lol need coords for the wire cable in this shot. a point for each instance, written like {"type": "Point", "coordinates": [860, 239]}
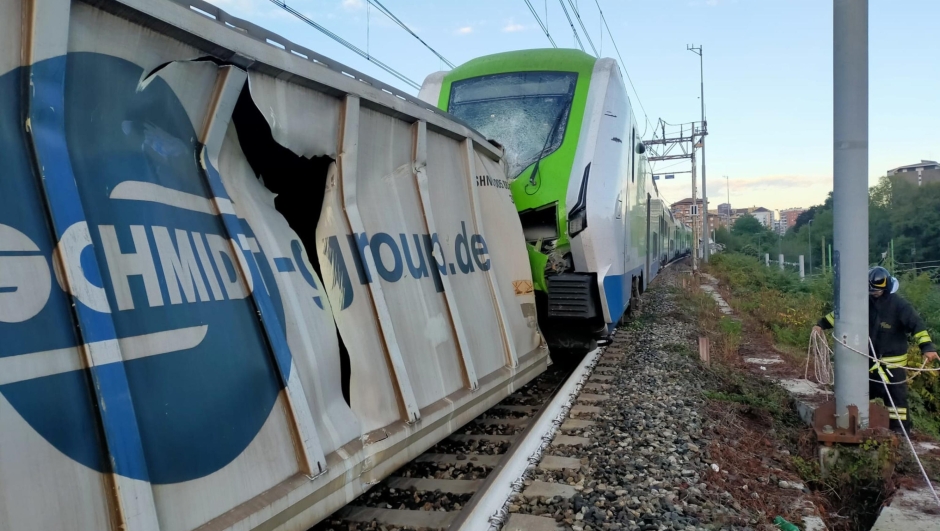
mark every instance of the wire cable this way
{"type": "Point", "coordinates": [906, 436]}
{"type": "Point", "coordinates": [571, 23]}
{"type": "Point", "coordinates": [581, 22]}
{"type": "Point", "coordinates": [623, 65]}
{"type": "Point", "coordinates": [283, 5]}
{"type": "Point", "coordinates": [385, 11]}
{"type": "Point", "coordinates": [537, 19]}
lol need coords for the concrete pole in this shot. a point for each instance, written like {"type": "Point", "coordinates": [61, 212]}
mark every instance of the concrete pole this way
{"type": "Point", "coordinates": [705, 126]}
{"type": "Point", "coordinates": [850, 205]}
{"type": "Point", "coordinates": [767, 259]}
{"type": "Point", "coordinates": [802, 272]}
{"type": "Point", "coordinates": [781, 262]}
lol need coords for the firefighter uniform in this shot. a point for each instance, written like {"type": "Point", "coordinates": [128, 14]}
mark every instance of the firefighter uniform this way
{"type": "Point", "coordinates": [891, 321]}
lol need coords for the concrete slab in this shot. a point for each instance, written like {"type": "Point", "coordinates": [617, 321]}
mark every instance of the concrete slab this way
{"type": "Point", "coordinates": [802, 387]}
{"type": "Point", "coordinates": [415, 519]}
{"type": "Point", "coordinates": [492, 438]}
{"type": "Point", "coordinates": [554, 462]}
{"type": "Point", "coordinates": [521, 409]}
{"type": "Point", "coordinates": [528, 522]}
{"type": "Point", "coordinates": [578, 409]}
{"type": "Point", "coordinates": [569, 440]}
{"type": "Point", "coordinates": [763, 361]}
{"type": "Point", "coordinates": [451, 486]}
{"type": "Point", "coordinates": [544, 489]}
{"type": "Point", "coordinates": [907, 512]}
{"type": "Point", "coordinates": [451, 459]}
{"type": "Point", "coordinates": [576, 424]}
{"type": "Point", "coordinates": [590, 397]}
{"type": "Point", "coordinates": [504, 422]}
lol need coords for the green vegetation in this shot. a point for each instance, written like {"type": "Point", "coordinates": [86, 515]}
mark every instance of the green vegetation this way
{"type": "Point", "coordinates": [898, 211]}
{"type": "Point", "coordinates": [788, 309]}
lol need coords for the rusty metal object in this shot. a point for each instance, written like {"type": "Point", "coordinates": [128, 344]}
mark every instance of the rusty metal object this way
{"type": "Point", "coordinates": [824, 423]}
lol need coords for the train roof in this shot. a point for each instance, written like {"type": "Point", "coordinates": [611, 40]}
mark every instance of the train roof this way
{"type": "Point", "coordinates": [549, 59]}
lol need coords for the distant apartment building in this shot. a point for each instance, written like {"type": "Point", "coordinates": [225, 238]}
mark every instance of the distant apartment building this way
{"type": "Point", "coordinates": [928, 171]}
{"type": "Point", "coordinates": [780, 227]}
{"type": "Point", "coordinates": [788, 217]}
{"type": "Point", "coordinates": [682, 210]}
{"type": "Point", "coordinates": [765, 216]}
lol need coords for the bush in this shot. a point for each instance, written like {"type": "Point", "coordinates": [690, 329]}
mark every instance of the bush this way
{"type": "Point", "coordinates": [788, 309]}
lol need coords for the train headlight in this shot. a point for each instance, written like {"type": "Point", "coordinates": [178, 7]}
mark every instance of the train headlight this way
{"type": "Point", "coordinates": [577, 222]}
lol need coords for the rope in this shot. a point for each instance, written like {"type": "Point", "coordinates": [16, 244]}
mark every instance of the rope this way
{"type": "Point", "coordinates": [821, 354]}
{"type": "Point", "coordinates": [907, 437]}
{"type": "Point", "coordinates": [872, 358]}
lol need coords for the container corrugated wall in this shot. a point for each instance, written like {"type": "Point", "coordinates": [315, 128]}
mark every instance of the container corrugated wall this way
{"type": "Point", "coordinates": [233, 292]}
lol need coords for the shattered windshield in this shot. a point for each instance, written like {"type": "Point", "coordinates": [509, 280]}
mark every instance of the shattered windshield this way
{"type": "Point", "coordinates": [518, 110]}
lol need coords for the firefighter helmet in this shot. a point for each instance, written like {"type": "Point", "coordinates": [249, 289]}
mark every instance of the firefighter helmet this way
{"type": "Point", "coordinates": [878, 279]}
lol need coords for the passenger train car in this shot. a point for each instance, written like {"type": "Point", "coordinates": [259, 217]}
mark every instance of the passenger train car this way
{"type": "Point", "coordinates": [596, 228]}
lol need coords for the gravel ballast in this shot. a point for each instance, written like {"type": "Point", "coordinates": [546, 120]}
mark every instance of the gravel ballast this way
{"type": "Point", "coordinates": [645, 465]}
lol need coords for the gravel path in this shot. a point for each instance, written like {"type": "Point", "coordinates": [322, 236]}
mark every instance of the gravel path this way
{"type": "Point", "coordinates": [644, 466]}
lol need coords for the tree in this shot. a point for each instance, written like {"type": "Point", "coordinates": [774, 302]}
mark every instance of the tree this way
{"type": "Point", "coordinates": [747, 225]}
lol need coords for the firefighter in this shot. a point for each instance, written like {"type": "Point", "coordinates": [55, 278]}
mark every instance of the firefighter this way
{"type": "Point", "coordinates": [891, 320]}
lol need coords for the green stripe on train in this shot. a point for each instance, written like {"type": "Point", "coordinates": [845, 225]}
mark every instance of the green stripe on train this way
{"type": "Point", "coordinates": [557, 165]}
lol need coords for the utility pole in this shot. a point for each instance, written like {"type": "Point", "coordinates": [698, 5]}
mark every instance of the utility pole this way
{"type": "Point", "coordinates": [850, 207]}
{"type": "Point", "coordinates": [697, 50]}
{"type": "Point", "coordinates": [695, 237]}
{"type": "Point", "coordinates": [728, 189]}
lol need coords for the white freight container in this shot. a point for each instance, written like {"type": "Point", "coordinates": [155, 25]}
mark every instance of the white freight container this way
{"type": "Point", "coordinates": [239, 282]}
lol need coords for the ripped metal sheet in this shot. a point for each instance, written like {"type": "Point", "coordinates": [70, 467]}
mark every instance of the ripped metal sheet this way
{"type": "Point", "coordinates": [172, 358]}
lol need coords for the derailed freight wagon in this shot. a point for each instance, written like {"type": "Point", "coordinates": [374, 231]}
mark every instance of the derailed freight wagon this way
{"type": "Point", "coordinates": [239, 282]}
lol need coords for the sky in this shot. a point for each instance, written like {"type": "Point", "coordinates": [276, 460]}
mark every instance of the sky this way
{"type": "Point", "coordinates": [767, 71]}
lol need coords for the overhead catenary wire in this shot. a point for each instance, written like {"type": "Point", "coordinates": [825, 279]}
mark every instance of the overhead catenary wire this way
{"type": "Point", "coordinates": [571, 23]}
{"type": "Point", "coordinates": [283, 5]}
{"type": "Point", "coordinates": [539, 20]}
{"type": "Point", "coordinates": [385, 11]}
{"type": "Point", "coordinates": [587, 36]}
{"type": "Point", "coordinates": [623, 66]}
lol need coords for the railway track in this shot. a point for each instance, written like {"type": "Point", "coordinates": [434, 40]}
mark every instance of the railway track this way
{"type": "Point", "coordinates": [466, 478]}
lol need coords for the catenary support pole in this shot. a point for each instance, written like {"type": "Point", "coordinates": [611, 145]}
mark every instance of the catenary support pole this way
{"type": "Point", "coordinates": [850, 205]}
{"type": "Point", "coordinates": [781, 262]}
{"type": "Point", "coordinates": [705, 126]}
{"type": "Point", "coordinates": [767, 259]}
{"type": "Point", "coordinates": [802, 272]}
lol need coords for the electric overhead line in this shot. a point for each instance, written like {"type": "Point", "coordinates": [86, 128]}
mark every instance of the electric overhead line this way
{"type": "Point", "coordinates": [283, 5]}
{"type": "Point", "coordinates": [623, 66]}
{"type": "Point", "coordinates": [537, 19]}
{"type": "Point", "coordinates": [385, 11]}
{"type": "Point", "coordinates": [584, 29]}
{"type": "Point", "coordinates": [571, 23]}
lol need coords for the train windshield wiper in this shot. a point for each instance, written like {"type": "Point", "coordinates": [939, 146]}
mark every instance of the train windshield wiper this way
{"type": "Point", "coordinates": [548, 141]}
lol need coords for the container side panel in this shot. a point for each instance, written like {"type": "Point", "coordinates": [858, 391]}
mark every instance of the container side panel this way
{"type": "Point", "coordinates": [506, 248]}
{"type": "Point", "coordinates": [372, 393]}
{"type": "Point", "coordinates": [449, 184]}
{"type": "Point", "coordinates": [391, 211]}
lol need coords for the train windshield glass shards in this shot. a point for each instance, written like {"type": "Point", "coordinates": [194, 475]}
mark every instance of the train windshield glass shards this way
{"type": "Point", "coordinates": [520, 110]}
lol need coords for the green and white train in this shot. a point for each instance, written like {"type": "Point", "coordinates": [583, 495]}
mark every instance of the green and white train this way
{"type": "Point", "coordinates": [596, 228]}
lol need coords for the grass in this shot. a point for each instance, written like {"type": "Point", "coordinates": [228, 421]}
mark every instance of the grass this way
{"type": "Point", "coordinates": [787, 309]}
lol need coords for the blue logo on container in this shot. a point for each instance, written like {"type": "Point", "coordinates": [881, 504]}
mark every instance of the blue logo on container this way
{"type": "Point", "coordinates": [176, 284]}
